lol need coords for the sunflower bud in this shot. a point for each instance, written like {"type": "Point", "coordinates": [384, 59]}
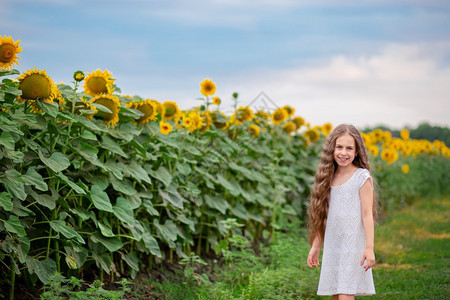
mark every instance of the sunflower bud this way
{"type": "Point", "coordinates": [78, 76]}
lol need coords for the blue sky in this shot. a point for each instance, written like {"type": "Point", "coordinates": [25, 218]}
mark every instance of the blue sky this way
{"type": "Point", "coordinates": [363, 62]}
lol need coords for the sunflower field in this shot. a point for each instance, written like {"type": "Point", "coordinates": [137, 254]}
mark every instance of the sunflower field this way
{"type": "Point", "coordinates": [96, 182]}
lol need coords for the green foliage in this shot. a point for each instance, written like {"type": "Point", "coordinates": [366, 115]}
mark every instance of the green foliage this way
{"type": "Point", "coordinates": [77, 195]}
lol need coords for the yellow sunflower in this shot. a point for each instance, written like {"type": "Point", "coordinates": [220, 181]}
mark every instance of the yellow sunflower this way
{"type": "Point", "coordinates": [216, 100]}
{"type": "Point", "coordinates": [389, 155]}
{"type": "Point", "coordinates": [170, 111]}
{"type": "Point", "coordinates": [207, 87]}
{"type": "Point", "coordinates": [36, 86]}
{"type": "Point", "coordinates": [289, 127]}
{"type": "Point", "coordinates": [98, 82]}
{"type": "Point", "coordinates": [326, 128]}
{"type": "Point", "coordinates": [165, 128]}
{"type": "Point", "coordinates": [289, 109]}
{"type": "Point", "coordinates": [254, 130]}
{"type": "Point", "coordinates": [405, 168]}
{"type": "Point", "coordinates": [147, 107]}
{"type": "Point", "coordinates": [220, 120]}
{"type": "Point", "coordinates": [8, 52]}
{"type": "Point", "coordinates": [262, 115]}
{"type": "Point", "coordinates": [279, 115]}
{"type": "Point", "coordinates": [242, 114]}
{"type": "Point", "coordinates": [78, 76]}
{"type": "Point", "coordinates": [299, 122]}
{"type": "Point", "coordinates": [312, 134]}
{"type": "Point", "coordinates": [206, 121]}
{"type": "Point", "coordinates": [373, 150]}
{"type": "Point", "coordinates": [113, 104]}
{"type": "Point", "coordinates": [404, 134]}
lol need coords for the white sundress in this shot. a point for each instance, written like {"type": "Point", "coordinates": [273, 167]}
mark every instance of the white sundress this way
{"type": "Point", "coordinates": [345, 242]}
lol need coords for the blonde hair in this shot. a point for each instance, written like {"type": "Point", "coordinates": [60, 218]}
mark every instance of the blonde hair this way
{"type": "Point", "coordinates": [320, 192]}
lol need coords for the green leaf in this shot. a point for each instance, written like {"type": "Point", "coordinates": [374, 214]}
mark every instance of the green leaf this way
{"type": "Point", "coordinates": [88, 152]}
{"type": "Point", "coordinates": [15, 188]}
{"type": "Point", "coordinates": [6, 201]}
{"type": "Point", "coordinates": [113, 167]}
{"type": "Point", "coordinates": [122, 210]}
{"type": "Point", "coordinates": [44, 269]}
{"type": "Point", "coordinates": [61, 227]}
{"type": "Point", "coordinates": [172, 196]}
{"type": "Point", "coordinates": [103, 261]}
{"type": "Point", "coordinates": [137, 172]}
{"type": "Point", "coordinates": [105, 230]}
{"type": "Point", "coordinates": [34, 178]}
{"type": "Point", "coordinates": [194, 151]}
{"type": "Point", "coordinates": [168, 231]}
{"type": "Point", "coordinates": [51, 109]}
{"type": "Point", "coordinates": [131, 260]}
{"type": "Point", "coordinates": [83, 213]}
{"type": "Point", "coordinates": [125, 131]}
{"type": "Point", "coordinates": [100, 199]}
{"type": "Point", "coordinates": [151, 244]}
{"type": "Point", "coordinates": [77, 253]}
{"type": "Point", "coordinates": [71, 184]}
{"type": "Point", "coordinates": [184, 169]}
{"type": "Point", "coordinates": [123, 186]}
{"type": "Point", "coordinates": [46, 200]}
{"type": "Point", "coordinates": [13, 225]}
{"type": "Point", "coordinates": [111, 243]}
{"type": "Point", "coordinates": [14, 176]}
{"type": "Point", "coordinates": [7, 141]}
{"type": "Point", "coordinates": [102, 108]}
{"type": "Point", "coordinates": [217, 202]}
{"type": "Point", "coordinates": [5, 72]}
{"type": "Point", "coordinates": [150, 209]}
{"type": "Point", "coordinates": [162, 174]}
{"type": "Point", "coordinates": [89, 124]}
{"type": "Point", "coordinates": [231, 187]}
{"type": "Point", "coordinates": [239, 211]}
{"type": "Point", "coordinates": [87, 135]}
{"type": "Point", "coordinates": [109, 144]}
{"type": "Point", "coordinates": [57, 161]}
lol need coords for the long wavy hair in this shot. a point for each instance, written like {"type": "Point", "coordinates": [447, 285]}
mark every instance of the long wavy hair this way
{"type": "Point", "coordinates": [320, 192]}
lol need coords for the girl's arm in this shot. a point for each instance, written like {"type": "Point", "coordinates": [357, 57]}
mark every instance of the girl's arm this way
{"type": "Point", "coordinates": [366, 195]}
{"type": "Point", "coordinates": [313, 256]}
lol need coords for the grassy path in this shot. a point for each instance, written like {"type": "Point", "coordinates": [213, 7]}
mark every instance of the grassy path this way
{"type": "Point", "coordinates": [413, 253]}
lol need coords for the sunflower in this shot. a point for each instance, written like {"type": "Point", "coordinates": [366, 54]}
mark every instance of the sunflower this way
{"type": "Point", "coordinates": [389, 155]}
{"type": "Point", "coordinates": [216, 100]}
{"type": "Point", "coordinates": [170, 111]}
{"type": "Point", "coordinates": [242, 114]}
{"type": "Point", "coordinates": [279, 115]}
{"type": "Point", "coordinates": [78, 76]}
{"type": "Point", "coordinates": [8, 52]}
{"type": "Point", "coordinates": [192, 121]}
{"type": "Point", "coordinates": [404, 134]}
{"type": "Point", "coordinates": [220, 120]}
{"type": "Point", "coordinates": [299, 122]}
{"type": "Point", "coordinates": [206, 121]}
{"type": "Point", "coordinates": [373, 150]}
{"type": "Point", "coordinates": [59, 98]}
{"type": "Point", "coordinates": [405, 168]}
{"type": "Point", "coordinates": [147, 107]}
{"type": "Point", "coordinates": [165, 128]}
{"type": "Point", "coordinates": [254, 130]}
{"type": "Point", "coordinates": [98, 82]}
{"type": "Point", "coordinates": [262, 115]}
{"type": "Point", "coordinates": [289, 127]}
{"type": "Point", "coordinates": [36, 86]}
{"type": "Point", "coordinates": [326, 128]}
{"type": "Point", "coordinates": [289, 109]}
{"type": "Point", "coordinates": [312, 134]}
{"type": "Point", "coordinates": [113, 104]}
{"type": "Point", "coordinates": [207, 87]}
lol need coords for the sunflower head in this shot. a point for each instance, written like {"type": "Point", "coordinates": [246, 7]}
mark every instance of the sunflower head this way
{"type": "Point", "coordinates": [170, 111]}
{"type": "Point", "coordinates": [98, 82]}
{"type": "Point", "coordinates": [389, 155]}
{"type": "Point", "coordinates": [36, 86]}
{"type": "Point", "coordinates": [289, 109]}
{"type": "Point", "coordinates": [254, 130]}
{"type": "Point", "coordinates": [219, 120]}
{"type": "Point", "coordinates": [206, 120]}
{"type": "Point", "coordinates": [8, 52]}
{"type": "Point", "coordinates": [216, 100]}
{"type": "Point", "coordinates": [326, 128]}
{"type": "Point", "coordinates": [147, 107]}
{"type": "Point", "coordinates": [404, 133]}
{"type": "Point", "coordinates": [165, 128]}
{"type": "Point", "coordinates": [207, 87]}
{"type": "Point", "coordinates": [262, 115]}
{"type": "Point", "coordinates": [299, 122]}
{"type": "Point", "coordinates": [242, 114]}
{"type": "Point", "coordinates": [113, 104]}
{"type": "Point", "coordinates": [405, 168]}
{"type": "Point", "coordinates": [312, 134]}
{"type": "Point", "coordinates": [289, 127]}
{"type": "Point", "coordinates": [279, 115]}
{"type": "Point", "coordinates": [373, 150]}
{"type": "Point", "coordinates": [78, 76]}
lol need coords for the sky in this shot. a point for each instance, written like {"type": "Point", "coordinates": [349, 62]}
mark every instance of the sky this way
{"type": "Point", "coordinates": [363, 62]}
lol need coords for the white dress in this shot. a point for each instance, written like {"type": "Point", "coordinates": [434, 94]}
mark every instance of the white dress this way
{"type": "Point", "coordinates": [345, 242]}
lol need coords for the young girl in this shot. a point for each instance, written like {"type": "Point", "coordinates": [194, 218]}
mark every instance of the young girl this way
{"type": "Point", "coordinates": [341, 217]}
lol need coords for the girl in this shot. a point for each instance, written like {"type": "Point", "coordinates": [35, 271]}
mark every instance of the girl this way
{"type": "Point", "coordinates": [341, 216]}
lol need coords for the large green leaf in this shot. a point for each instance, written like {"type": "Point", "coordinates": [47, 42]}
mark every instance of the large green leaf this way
{"type": "Point", "coordinates": [6, 201]}
{"type": "Point", "coordinates": [100, 199]}
{"type": "Point", "coordinates": [123, 186]}
{"type": "Point", "coordinates": [137, 172]}
{"type": "Point", "coordinates": [123, 211]}
{"type": "Point", "coordinates": [114, 168]}
{"type": "Point", "coordinates": [88, 152]}
{"type": "Point", "coordinates": [19, 245]}
{"type": "Point", "coordinates": [105, 229]}
{"type": "Point", "coordinates": [162, 174]}
{"type": "Point", "coordinates": [151, 244]}
{"type": "Point", "coordinates": [7, 141]}
{"type": "Point", "coordinates": [109, 144]}
{"type": "Point", "coordinates": [14, 176]}
{"type": "Point", "coordinates": [44, 269]}
{"type": "Point", "coordinates": [168, 231]}
{"type": "Point", "coordinates": [111, 243]}
{"type": "Point", "coordinates": [34, 178]}
{"type": "Point", "coordinates": [172, 196]}
{"type": "Point", "coordinates": [13, 225]}
{"type": "Point", "coordinates": [46, 200]}
{"type": "Point", "coordinates": [230, 186]}
{"type": "Point", "coordinates": [131, 260]}
{"type": "Point", "coordinates": [61, 227]}
{"type": "Point", "coordinates": [217, 202]}
{"type": "Point", "coordinates": [78, 253]}
{"type": "Point", "coordinates": [57, 161]}
{"type": "Point", "coordinates": [71, 184]}
{"type": "Point", "coordinates": [103, 261]}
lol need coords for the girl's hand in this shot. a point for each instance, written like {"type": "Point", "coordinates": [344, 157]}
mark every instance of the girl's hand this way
{"type": "Point", "coordinates": [369, 257]}
{"type": "Point", "coordinates": [313, 257]}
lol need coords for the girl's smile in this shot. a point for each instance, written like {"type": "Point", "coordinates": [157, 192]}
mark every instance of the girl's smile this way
{"type": "Point", "coordinates": [345, 150]}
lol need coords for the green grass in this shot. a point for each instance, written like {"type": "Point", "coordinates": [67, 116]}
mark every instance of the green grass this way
{"type": "Point", "coordinates": [413, 262]}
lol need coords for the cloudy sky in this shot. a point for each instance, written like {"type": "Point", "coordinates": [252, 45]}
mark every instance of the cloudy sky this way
{"type": "Point", "coordinates": [365, 62]}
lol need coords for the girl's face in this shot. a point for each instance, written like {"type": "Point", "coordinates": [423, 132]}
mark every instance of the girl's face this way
{"type": "Point", "coordinates": [345, 150]}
